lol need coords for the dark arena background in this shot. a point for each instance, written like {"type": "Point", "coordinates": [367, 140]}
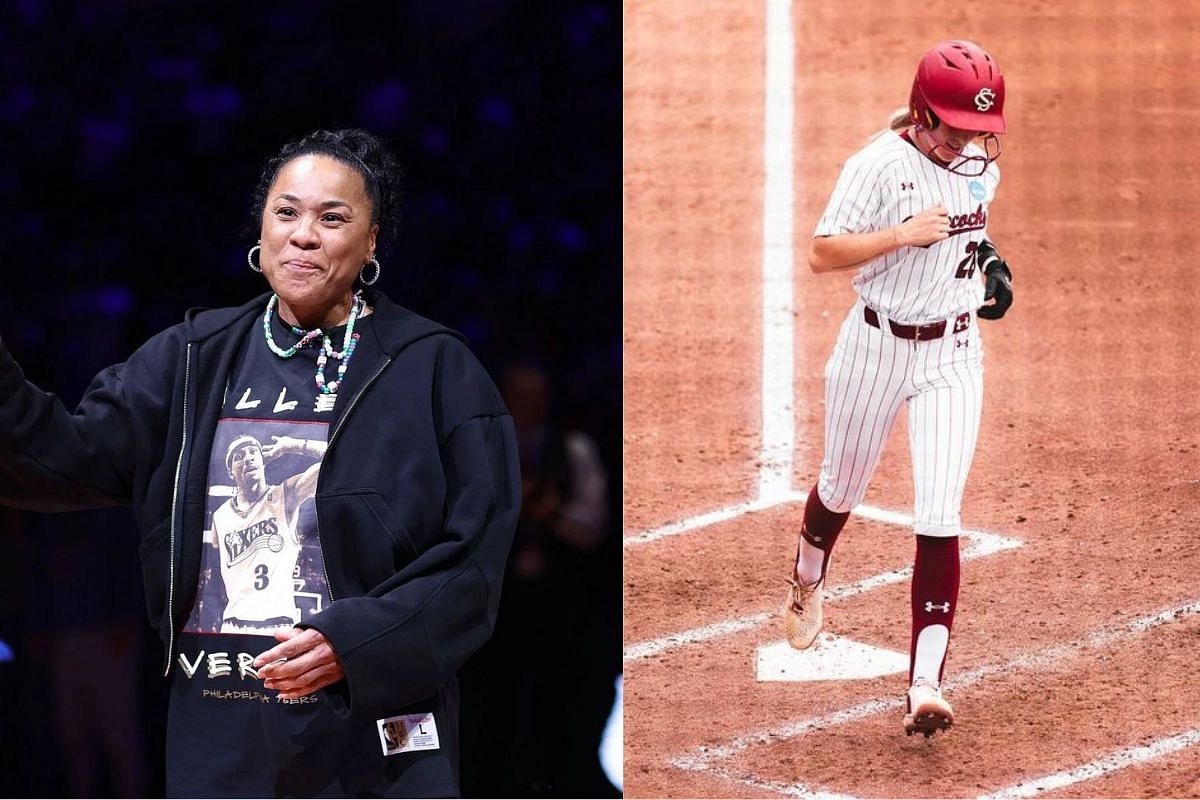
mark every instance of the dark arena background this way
{"type": "Point", "coordinates": [133, 133]}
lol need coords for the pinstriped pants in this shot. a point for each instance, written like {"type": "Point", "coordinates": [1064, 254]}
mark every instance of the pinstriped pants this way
{"type": "Point", "coordinates": [870, 373]}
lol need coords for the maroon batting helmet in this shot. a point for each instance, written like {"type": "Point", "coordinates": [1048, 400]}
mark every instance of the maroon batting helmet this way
{"type": "Point", "coordinates": [961, 84]}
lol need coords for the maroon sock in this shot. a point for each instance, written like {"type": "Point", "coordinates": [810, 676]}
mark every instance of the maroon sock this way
{"type": "Point", "coordinates": [934, 589]}
{"type": "Point", "coordinates": [822, 526]}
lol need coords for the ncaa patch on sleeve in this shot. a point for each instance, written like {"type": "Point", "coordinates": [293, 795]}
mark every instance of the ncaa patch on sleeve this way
{"type": "Point", "coordinates": [407, 733]}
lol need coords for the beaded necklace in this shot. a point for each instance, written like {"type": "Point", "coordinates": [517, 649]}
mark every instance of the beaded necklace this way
{"type": "Point", "coordinates": [305, 340]}
{"type": "Point", "coordinates": [349, 343]}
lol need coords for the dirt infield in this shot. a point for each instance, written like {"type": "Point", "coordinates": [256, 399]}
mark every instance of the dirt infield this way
{"type": "Point", "coordinates": [1074, 651]}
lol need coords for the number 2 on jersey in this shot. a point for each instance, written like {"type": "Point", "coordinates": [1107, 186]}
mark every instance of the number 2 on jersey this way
{"type": "Point", "coordinates": [966, 267]}
{"type": "Point", "coordinates": [260, 577]}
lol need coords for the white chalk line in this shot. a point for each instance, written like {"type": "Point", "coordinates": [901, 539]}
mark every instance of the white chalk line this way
{"type": "Point", "coordinates": [781, 787]}
{"type": "Point", "coordinates": [778, 326]}
{"type": "Point", "coordinates": [1113, 762]}
{"type": "Point", "coordinates": [883, 515]}
{"type": "Point", "coordinates": [714, 517]}
{"type": "Point", "coordinates": [980, 544]}
{"type": "Point", "coordinates": [761, 503]}
{"type": "Point", "coordinates": [702, 759]}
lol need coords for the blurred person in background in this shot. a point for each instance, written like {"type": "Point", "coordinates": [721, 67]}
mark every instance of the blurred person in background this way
{"type": "Point", "coordinates": [564, 489]}
{"type": "Point", "coordinates": [539, 691]}
{"type": "Point", "coordinates": [90, 637]}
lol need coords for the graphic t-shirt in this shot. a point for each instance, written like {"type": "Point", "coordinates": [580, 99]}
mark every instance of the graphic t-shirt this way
{"type": "Point", "coordinates": [262, 570]}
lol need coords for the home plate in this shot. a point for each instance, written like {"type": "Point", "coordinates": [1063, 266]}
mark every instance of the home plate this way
{"type": "Point", "coordinates": [831, 658]}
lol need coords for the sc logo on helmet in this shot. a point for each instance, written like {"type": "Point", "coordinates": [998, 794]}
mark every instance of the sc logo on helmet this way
{"type": "Point", "coordinates": [985, 99]}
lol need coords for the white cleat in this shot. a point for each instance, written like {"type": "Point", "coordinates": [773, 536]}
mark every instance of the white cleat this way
{"type": "Point", "coordinates": [802, 613]}
{"type": "Point", "coordinates": [928, 711]}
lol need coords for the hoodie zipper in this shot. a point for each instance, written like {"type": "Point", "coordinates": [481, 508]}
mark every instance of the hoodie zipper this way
{"type": "Point", "coordinates": [329, 448]}
{"type": "Point", "coordinates": [187, 375]}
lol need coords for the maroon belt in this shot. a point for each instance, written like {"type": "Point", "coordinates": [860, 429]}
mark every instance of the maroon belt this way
{"type": "Point", "coordinates": [918, 333]}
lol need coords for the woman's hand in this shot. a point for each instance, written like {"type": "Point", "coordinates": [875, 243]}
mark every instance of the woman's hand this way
{"type": "Point", "coordinates": [306, 663]}
{"type": "Point", "coordinates": [925, 228]}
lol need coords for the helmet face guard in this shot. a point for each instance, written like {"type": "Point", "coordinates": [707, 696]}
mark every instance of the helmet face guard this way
{"type": "Point", "coordinates": [960, 163]}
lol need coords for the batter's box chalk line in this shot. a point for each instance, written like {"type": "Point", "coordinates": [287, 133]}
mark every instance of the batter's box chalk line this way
{"type": "Point", "coordinates": [979, 545]}
{"type": "Point", "coordinates": [708, 759]}
{"type": "Point", "coordinates": [714, 517]}
{"type": "Point", "coordinates": [1113, 762]}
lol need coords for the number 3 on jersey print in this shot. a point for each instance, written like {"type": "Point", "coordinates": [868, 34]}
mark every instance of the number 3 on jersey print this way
{"type": "Point", "coordinates": [966, 267]}
{"type": "Point", "coordinates": [260, 577]}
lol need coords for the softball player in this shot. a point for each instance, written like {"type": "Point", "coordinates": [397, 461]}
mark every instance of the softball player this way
{"type": "Point", "coordinates": [910, 211]}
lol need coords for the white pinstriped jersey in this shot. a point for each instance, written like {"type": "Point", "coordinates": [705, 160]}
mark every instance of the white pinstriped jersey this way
{"type": "Point", "coordinates": [889, 181]}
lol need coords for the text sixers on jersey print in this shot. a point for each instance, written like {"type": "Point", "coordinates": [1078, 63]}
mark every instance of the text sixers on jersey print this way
{"type": "Point", "coordinates": [242, 543]}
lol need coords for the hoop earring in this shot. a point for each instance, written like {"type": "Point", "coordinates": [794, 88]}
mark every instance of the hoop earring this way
{"type": "Point", "coordinates": [250, 257]}
{"type": "Point", "coordinates": [378, 271]}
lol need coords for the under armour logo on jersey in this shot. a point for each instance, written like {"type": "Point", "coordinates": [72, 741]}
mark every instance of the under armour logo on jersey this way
{"type": "Point", "coordinates": [962, 343]}
{"type": "Point", "coordinates": [905, 186]}
{"type": "Point", "coordinates": [985, 98]}
{"type": "Point", "coordinates": [944, 607]}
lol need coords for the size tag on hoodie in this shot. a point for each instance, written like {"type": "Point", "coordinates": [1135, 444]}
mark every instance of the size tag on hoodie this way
{"type": "Point", "coordinates": [408, 733]}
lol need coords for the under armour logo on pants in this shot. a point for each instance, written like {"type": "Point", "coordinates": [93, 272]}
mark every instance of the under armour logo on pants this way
{"type": "Point", "coordinates": [944, 607]}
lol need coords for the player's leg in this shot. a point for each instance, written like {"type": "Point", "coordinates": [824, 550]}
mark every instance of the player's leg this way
{"type": "Point", "coordinates": [802, 613]}
{"type": "Point", "coordinates": [818, 533]}
{"type": "Point", "coordinates": [943, 428]}
{"type": "Point", "coordinates": [934, 599]}
{"type": "Point", "coordinates": [865, 382]}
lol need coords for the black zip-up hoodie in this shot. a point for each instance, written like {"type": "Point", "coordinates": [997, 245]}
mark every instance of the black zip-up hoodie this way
{"type": "Point", "coordinates": [416, 502]}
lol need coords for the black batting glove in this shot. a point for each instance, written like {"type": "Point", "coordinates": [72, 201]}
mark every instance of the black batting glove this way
{"type": "Point", "coordinates": [999, 282]}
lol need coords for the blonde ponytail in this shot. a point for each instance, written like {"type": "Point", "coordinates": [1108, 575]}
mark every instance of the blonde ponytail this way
{"type": "Point", "coordinates": [898, 120]}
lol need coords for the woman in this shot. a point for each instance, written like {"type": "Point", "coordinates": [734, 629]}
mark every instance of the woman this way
{"type": "Point", "coordinates": [326, 486]}
{"type": "Point", "coordinates": [910, 211]}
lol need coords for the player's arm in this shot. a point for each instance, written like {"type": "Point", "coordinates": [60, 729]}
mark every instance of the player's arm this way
{"type": "Point", "coordinates": [299, 488]}
{"type": "Point", "coordinates": [846, 250]}
{"type": "Point", "coordinates": [281, 445]}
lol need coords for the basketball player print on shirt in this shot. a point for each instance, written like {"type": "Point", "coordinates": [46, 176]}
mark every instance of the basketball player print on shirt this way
{"type": "Point", "coordinates": [262, 567]}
